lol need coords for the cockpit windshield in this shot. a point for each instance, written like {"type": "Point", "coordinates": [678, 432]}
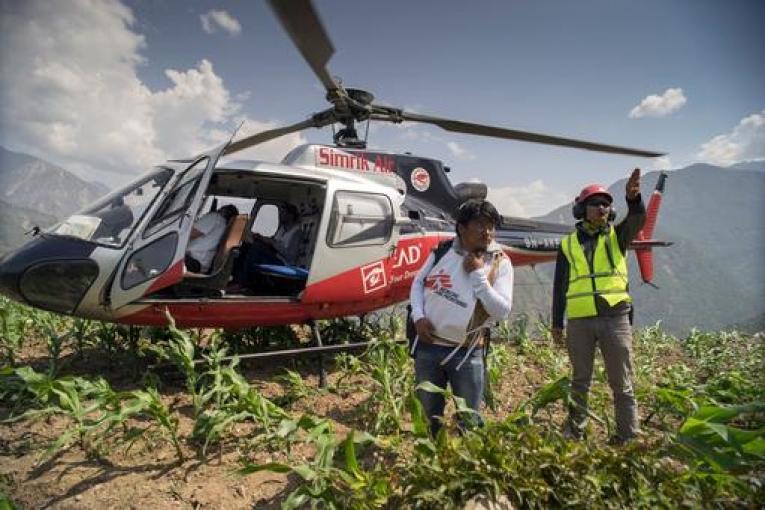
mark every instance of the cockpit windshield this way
{"type": "Point", "coordinates": [112, 218]}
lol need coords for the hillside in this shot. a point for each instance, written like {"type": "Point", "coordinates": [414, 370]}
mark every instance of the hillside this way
{"type": "Point", "coordinates": [32, 183]}
{"type": "Point", "coordinates": [16, 221]}
{"type": "Point", "coordinates": [35, 192]}
{"type": "Point", "coordinates": [712, 277]}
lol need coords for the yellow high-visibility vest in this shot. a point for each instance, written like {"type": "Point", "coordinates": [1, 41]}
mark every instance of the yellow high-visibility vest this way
{"type": "Point", "coordinates": [608, 278]}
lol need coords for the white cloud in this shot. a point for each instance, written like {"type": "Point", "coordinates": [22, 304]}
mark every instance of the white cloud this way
{"type": "Point", "coordinates": [662, 163]}
{"type": "Point", "coordinates": [70, 93]}
{"type": "Point", "coordinates": [458, 151]}
{"type": "Point", "coordinates": [659, 106]}
{"type": "Point", "coordinates": [745, 142]}
{"type": "Point", "coordinates": [215, 19]}
{"type": "Point", "coordinates": [535, 199]}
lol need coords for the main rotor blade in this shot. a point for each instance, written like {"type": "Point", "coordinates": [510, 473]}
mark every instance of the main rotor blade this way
{"type": "Point", "coordinates": [265, 136]}
{"type": "Point", "coordinates": [459, 126]}
{"type": "Point", "coordinates": [304, 27]}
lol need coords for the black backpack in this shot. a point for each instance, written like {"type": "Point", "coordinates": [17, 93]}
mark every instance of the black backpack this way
{"type": "Point", "coordinates": [411, 332]}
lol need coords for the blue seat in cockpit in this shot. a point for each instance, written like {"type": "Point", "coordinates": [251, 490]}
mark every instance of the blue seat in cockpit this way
{"type": "Point", "coordinates": [288, 272]}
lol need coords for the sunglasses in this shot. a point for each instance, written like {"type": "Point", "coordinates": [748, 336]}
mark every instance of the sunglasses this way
{"type": "Point", "coordinates": [599, 202]}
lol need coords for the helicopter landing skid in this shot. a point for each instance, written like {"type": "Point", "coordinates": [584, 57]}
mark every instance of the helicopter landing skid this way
{"type": "Point", "coordinates": [319, 350]}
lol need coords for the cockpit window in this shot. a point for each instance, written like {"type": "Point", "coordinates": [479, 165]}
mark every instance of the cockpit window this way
{"type": "Point", "coordinates": [179, 199]}
{"type": "Point", "coordinates": [112, 218]}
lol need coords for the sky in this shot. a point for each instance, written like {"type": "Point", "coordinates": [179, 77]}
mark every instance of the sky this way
{"type": "Point", "coordinates": [109, 88]}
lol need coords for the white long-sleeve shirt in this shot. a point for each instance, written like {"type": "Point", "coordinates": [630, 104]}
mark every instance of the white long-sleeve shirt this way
{"type": "Point", "coordinates": [211, 226]}
{"type": "Point", "coordinates": [447, 295]}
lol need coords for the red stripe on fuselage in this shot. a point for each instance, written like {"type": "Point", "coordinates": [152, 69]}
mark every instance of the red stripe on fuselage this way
{"type": "Point", "coordinates": [328, 298]}
{"type": "Point", "coordinates": [168, 278]}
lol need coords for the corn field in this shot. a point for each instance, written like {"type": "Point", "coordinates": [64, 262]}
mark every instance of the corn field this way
{"type": "Point", "coordinates": [95, 415]}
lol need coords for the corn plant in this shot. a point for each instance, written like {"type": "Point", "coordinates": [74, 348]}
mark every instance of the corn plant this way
{"type": "Point", "coordinates": [224, 397]}
{"type": "Point", "coordinates": [148, 402]}
{"type": "Point", "coordinates": [295, 387]}
{"type": "Point", "coordinates": [110, 337]}
{"type": "Point", "coordinates": [180, 350]}
{"type": "Point", "coordinates": [328, 482]}
{"type": "Point", "coordinates": [53, 330]}
{"type": "Point", "coordinates": [81, 332]}
{"type": "Point", "coordinates": [6, 503]}
{"type": "Point", "coordinates": [708, 438]}
{"type": "Point", "coordinates": [498, 362]}
{"type": "Point", "coordinates": [389, 367]}
{"type": "Point", "coordinates": [14, 327]}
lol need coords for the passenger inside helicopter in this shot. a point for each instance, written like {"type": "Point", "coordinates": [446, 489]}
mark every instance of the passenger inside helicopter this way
{"type": "Point", "coordinates": [267, 252]}
{"type": "Point", "coordinates": [207, 234]}
{"type": "Point", "coordinates": [267, 264]}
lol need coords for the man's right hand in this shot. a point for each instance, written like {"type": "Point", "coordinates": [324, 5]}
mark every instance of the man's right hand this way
{"type": "Point", "coordinates": [424, 330]}
{"type": "Point", "coordinates": [558, 336]}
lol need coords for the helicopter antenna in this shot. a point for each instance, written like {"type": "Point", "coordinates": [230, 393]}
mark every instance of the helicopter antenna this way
{"type": "Point", "coordinates": [236, 130]}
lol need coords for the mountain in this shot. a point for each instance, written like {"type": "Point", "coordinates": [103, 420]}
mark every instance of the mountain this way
{"type": "Point", "coordinates": [757, 165]}
{"type": "Point", "coordinates": [16, 221]}
{"type": "Point", "coordinates": [713, 276]}
{"type": "Point", "coordinates": [35, 192]}
{"type": "Point", "coordinates": [31, 183]}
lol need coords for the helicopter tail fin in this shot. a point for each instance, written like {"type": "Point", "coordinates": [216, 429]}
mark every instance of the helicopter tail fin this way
{"type": "Point", "coordinates": [643, 243]}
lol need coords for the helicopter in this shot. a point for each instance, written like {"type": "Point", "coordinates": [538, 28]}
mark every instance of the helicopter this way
{"type": "Point", "coordinates": [367, 221]}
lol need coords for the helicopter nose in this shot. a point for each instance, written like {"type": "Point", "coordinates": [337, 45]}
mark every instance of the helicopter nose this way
{"type": "Point", "coordinates": [49, 273]}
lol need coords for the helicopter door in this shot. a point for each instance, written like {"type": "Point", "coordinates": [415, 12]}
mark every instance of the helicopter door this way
{"type": "Point", "coordinates": [155, 256]}
{"type": "Point", "coordinates": [354, 260]}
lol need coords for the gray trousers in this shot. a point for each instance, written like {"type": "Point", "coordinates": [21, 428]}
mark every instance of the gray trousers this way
{"type": "Point", "coordinates": [614, 337]}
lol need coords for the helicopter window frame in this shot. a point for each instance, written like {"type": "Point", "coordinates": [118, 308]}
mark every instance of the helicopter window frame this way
{"type": "Point", "coordinates": [110, 198]}
{"type": "Point", "coordinates": [138, 271]}
{"type": "Point", "coordinates": [190, 179]}
{"type": "Point", "coordinates": [336, 216]}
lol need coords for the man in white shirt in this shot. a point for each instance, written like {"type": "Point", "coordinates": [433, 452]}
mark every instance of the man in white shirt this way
{"type": "Point", "coordinates": [283, 248]}
{"type": "Point", "coordinates": [206, 236]}
{"type": "Point", "coordinates": [453, 301]}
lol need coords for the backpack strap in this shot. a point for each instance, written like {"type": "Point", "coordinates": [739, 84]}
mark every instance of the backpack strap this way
{"type": "Point", "coordinates": [441, 250]}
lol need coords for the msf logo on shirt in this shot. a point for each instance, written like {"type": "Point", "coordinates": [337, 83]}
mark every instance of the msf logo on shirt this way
{"type": "Point", "coordinates": [438, 281]}
{"type": "Point", "coordinates": [373, 276]}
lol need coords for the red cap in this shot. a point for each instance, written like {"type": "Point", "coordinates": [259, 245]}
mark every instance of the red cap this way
{"type": "Point", "coordinates": [593, 189]}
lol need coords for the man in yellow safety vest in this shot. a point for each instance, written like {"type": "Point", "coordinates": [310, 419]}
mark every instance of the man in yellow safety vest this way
{"type": "Point", "coordinates": [591, 289]}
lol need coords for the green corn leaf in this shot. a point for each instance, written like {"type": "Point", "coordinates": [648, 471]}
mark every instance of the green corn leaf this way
{"type": "Point", "coordinates": [719, 414]}
{"type": "Point", "coordinates": [305, 472]}
{"type": "Point", "coordinates": [297, 499]}
{"type": "Point", "coordinates": [552, 392]}
{"type": "Point", "coordinates": [286, 428]}
{"type": "Point", "coordinates": [6, 503]}
{"type": "Point", "coordinates": [349, 451]}
{"type": "Point", "coordinates": [326, 446]}
{"type": "Point", "coordinates": [420, 426]}
{"type": "Point", "coordinates": [756, 447]}
{"type": "Point", "coordinates": [430, 388]}
{"type": "Point", "coordinates": [274, 467]}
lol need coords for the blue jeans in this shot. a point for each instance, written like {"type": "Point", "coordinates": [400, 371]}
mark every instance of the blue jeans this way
{"type": "Point", "coordinates": [467, 382]}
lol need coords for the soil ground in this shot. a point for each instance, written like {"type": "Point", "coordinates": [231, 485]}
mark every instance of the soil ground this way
{"type": "Point", "coordinates": [149, 476]}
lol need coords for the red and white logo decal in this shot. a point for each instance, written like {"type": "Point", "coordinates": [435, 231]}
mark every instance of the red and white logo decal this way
{"type": "Point", "coordinates": [439, 280]}
{"type": "Point", "coordinates": [373, 276]}
{"type": "Point", "coordinates": [407, 256]}
{"type": "Point", "coordinates": [420, 179]}
{"type": "Point", "coordinates": [360, 161]}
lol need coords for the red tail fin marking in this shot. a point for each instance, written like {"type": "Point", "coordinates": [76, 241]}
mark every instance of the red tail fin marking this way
{"type": "Point", "coordinates": [645, 255]}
